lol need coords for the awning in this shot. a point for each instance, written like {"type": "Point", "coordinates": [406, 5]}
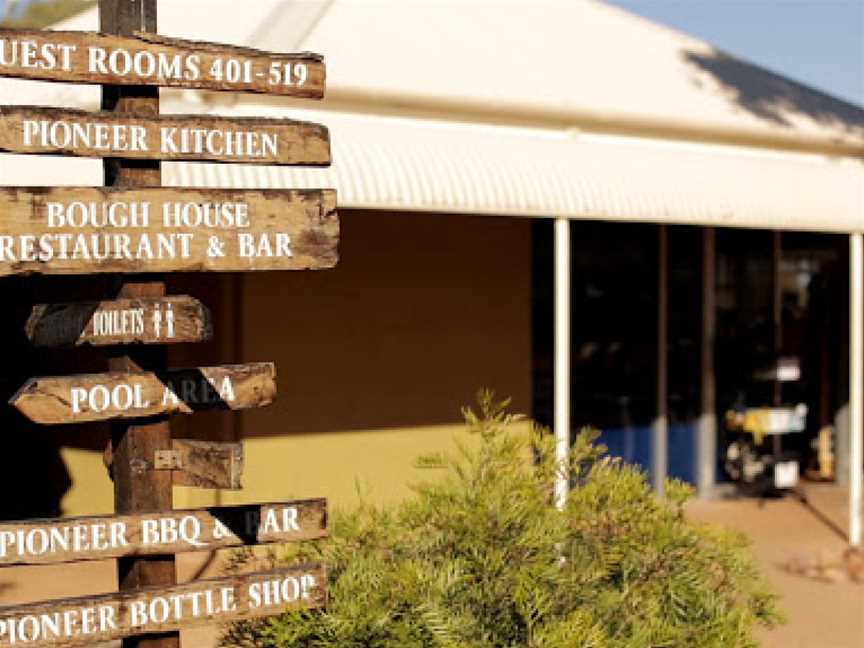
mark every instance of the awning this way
{"type": "Point", "coordinates": [391, 163]}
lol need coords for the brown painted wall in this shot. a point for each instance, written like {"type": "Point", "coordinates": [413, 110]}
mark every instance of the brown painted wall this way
{"type": "Point", "coordinates": [374, 359]}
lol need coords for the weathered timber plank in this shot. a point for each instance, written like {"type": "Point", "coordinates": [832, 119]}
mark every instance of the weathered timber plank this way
{"type": "Point", "coordinates": [208, 464]}
{"type": "Point", "coordinates": [117, 395]}
{"type": "Point", "coordinates": [151, 60]}
{"type": "Point", "coordinates": [251, 140]}
{"type": "Point", "coordinates": [52, 541]}
{"type": "Point", "coordinates": [85, 230]}
{"type": "Point", "coordinates": [167, 320]}
{"type": "Point", "coordinates": [88, 620]}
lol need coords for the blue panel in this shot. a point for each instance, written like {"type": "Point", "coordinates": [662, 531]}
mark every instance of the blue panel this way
{"type": "Point", "coordinates": [632, 444]}
{"type": "Point", "coordinates": [682, 451]}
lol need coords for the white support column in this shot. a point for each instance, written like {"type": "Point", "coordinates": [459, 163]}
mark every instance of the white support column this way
{"type": "Point", "coordinates": [660, 428]}
{"type": "Point", "coordinates": [707, 435]}
{"type": "Point", "coordinates": [856, 385]}
{"type": "Point", "coordinates": [562, 354]}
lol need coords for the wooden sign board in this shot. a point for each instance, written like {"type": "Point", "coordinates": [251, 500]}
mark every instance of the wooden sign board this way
{"type": "Point", "coordinates": [203, 464]}
{"type": "Point", "coordinates": [166, 320]}
{"type": "Point", "coordinates": [90, 230]}
{"type": "Point", "coordinates": [251, 140]}
{"type": "Point", "coordinates": [151, 60]}
{"type": "Point", "coordinates": [95, 619]}
{"type": "Point", "coordinates": [120, 395]}
{"type": "Point", "coordinates": [43, 542]}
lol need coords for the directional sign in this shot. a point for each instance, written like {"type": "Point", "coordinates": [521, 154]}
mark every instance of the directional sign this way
{"type": "Point", "coordinates": [119, 395]}
{"type": "Point", "coordinates": [166, 320]}
{"type": "Point", "coordinates": [52, 131]}
{"type": "Point", "coordinates": [42, 542]}
{"type": "Point", "coordinates": [89, 230]}
{"type": "Point", "coordinates": [95, 619]}
{"type": "Point", "coordinates": [152, 60]}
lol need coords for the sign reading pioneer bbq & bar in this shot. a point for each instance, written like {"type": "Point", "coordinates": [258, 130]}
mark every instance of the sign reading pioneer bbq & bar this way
{"type": "Point", "coordinates": [89, 230]}
{"type": "Point", "coordinates": [85, 621]}
{"type": "Point", "coordinates": [148, 59]}
{"type": "Point", "coordinates": [26, 129]}
{"type": "Point", "coordinates": [118, 395]}
{"type": "Point", "coordinates": [35, 542]}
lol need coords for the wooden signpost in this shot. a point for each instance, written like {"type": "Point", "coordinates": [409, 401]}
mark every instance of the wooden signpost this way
{"type": "Point", "coordinates": [134, 226]}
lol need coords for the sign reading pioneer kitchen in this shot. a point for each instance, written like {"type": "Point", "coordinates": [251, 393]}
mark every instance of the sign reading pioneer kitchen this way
{"type": "Point", "coordinates": [25, 129]}
{"type": "Point", "coordinates": [136, 226]}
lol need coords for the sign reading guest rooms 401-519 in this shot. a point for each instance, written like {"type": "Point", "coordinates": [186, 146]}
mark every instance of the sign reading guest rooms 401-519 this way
{"type": "Point", "coordinates": [155, 60]}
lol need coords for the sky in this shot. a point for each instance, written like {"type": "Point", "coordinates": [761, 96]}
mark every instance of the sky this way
{"type": "Point", "coordinates": [817, 42]}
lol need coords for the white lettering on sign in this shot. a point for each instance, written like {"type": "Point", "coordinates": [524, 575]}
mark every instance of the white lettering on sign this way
{"type": "Point", "coordinates": [154, 531]}
{"type": "Point", "coordinates": [128, 137]}
{"type": "Point", "coordinates": [146, 65]}
{"type": "Point", "coordinates": [130, 245]}
{"type": "Point", "coordinates": [69, 623]}
{"type": "Point", "coordinates": [77, 538]}
{"type": "Point", "coordinates": [169, 530]}
{"type": "Point", "coordinates": [103, 137]}
{"type": "Point", "coordinates": [196, 391]}
{"type": "Point", "coordinates": [79, 621]}
{"type": "Point", "coordinates": [278, 592]}
{"type": "Point", "coordinates": [100, 398]}
{"type": "Point", "coordinates": [27, 54]}
{"type": "Point", "coordinates": [118, 322]}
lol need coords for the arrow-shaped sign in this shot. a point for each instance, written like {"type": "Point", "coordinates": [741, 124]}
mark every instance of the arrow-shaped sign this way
{"type": "Point", "coordinates": [119, 395]}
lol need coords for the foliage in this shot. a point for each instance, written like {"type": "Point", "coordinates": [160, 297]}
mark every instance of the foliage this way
{"type": "Point", "coordinates": [482, 559]}
{"type": "Point", "coordinates": [38, 15]}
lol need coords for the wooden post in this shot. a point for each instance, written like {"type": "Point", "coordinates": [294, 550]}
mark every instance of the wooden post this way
{"type": "Point", "coordinates": [137, 487]}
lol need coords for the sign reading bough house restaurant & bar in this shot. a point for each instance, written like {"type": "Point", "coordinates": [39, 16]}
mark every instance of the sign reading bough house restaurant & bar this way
{"type": "Point", "coordinates": [89, 230]}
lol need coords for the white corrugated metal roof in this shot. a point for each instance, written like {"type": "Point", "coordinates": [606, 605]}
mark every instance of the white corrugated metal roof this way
{"type": "Point", "coordinates": [421, 165]}
{"type": "Point", "coordinates": [437, 164]}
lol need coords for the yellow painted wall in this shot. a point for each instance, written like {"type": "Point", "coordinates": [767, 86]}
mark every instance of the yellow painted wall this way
{"type": "Point", "coordinates": [374, 358]}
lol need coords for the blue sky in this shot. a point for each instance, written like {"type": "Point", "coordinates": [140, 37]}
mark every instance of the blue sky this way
{"type": "Point", "coordinates": [817, 42]}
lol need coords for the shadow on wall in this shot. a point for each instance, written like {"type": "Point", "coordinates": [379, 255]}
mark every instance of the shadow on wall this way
{"type": "Point", "coordinates": [772, 97]}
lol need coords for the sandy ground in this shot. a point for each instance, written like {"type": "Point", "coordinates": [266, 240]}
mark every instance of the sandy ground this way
{"type": "Point", "coordinates": [820, 615]}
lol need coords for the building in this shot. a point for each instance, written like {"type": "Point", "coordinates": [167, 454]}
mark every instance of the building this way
{"type": "Point", "coordinates": [484, 156]}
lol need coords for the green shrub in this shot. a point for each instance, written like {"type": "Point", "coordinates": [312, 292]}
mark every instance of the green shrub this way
{"type": "Point", "coordinates": [482, 559]}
